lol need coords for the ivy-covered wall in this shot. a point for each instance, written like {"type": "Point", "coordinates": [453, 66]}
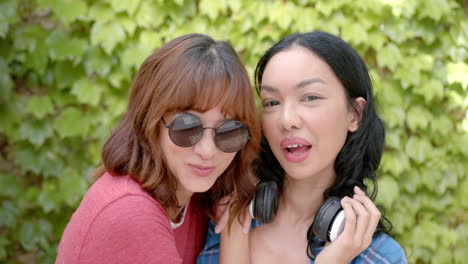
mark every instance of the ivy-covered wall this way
{"type": "Point", "coordinates": [66, 67]}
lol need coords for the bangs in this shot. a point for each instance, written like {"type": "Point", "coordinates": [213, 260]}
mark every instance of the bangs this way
{"type": "Point", "coordinates": [206, 86]}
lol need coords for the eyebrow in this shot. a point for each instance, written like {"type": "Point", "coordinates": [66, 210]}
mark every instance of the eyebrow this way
{"type": "Point", "coordinates": [300, 85]}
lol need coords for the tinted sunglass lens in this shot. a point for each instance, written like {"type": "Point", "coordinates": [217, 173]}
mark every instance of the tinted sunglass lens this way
{"type": "Point", "coordinates": [186, 130]}
{"type": "Point", "coordinates": [231, 136]}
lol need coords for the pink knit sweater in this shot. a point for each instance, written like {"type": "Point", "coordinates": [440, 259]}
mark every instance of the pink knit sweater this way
{"type": "Point", "coordinates": [118, 222]}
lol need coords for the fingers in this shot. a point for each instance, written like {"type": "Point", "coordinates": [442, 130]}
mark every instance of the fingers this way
{"type": "Point", "coordinates": [362, 220]}
{"type": "Point", "coordinates": [222, 206]}
{"type": "Point", "coordinates": [374, 214]}
{"type": "Point", "coordinates": [222, 213]}
{"type": "Point", "coordinates": [222, 221]}
{"type": "Point", "coordinates": [247, 221]}
{"type": "Point", "coordinates": [350, 219]}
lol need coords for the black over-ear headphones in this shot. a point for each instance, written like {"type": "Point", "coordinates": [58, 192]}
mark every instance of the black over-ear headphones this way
{"type": "Point", "coordinates": [264, 204]}
{"type": "Point", "coordinates": [328, 222]}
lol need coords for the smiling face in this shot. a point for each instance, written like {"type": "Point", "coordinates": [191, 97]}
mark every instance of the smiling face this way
{"type": "Point", "coordinates": [306, 117]}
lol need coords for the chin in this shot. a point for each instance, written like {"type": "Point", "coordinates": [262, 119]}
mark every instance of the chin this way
{"type": "Point", "coordinates": [198, 187]}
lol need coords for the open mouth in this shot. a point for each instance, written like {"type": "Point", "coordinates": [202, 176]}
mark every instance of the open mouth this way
{"type": "Point", "coordinates": [297, 149]}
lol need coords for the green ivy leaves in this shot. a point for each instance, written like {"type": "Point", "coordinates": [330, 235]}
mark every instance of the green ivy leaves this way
{"type": "Point", "coordinates": [66, 67]}
{"type": "Point", "coordinates": [71, 122]}
{"type": "Point", "coordinates": [108, 35]}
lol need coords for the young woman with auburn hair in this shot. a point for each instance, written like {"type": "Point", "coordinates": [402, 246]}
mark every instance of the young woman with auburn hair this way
{"type": "Point", "coordinates": [187, 139]}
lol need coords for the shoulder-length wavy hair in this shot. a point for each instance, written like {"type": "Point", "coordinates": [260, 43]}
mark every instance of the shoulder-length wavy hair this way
{"type": "Point", "coordinates": [360, 156]}
{"type": "Point", "coordinates": [191, 72]}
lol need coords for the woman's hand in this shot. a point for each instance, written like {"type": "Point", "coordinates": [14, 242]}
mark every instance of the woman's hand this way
{"type": "Point", "coordinates": [234, 246]}
{"type": "Point", "coordinates": [362, 218]}
{"type": "Point", "coordinates": [222, 215]}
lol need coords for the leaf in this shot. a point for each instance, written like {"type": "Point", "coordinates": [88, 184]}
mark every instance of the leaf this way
{"type": "Point", "coordinates": [88, 91]}
{"type": "Point", "coordinates": [28, 236]}
{"type": "Point", "coordinates": [389, 56]}
{"type": "Point", "coordinates": [97, 62]}
{"type": "Point", "coordinates": [431, 89]}
{"type": "Point", "coordinates": [376, 40]}
{"type": "Point", "coordinates": [117, 78]}
{"type": "Point", "coordinates": [212, 8]}
{"type": "Point", "coordinates": [38, 59]}
{"type": "Point", "coordinates": [418, 149]}
{"type": "Point", "coordinates": [418, 118]}
{"type": "Point", "coordinates": [395, 162]}
{"type": "Point", "coordinates": [128, 24]}
{"type": "Point", "coordinates": [67, 10]}
{"type": "Point", "coordinates": [151, 40]}
{"type": "Point", "coordinates": [129, 6]}
{"type": "Point", "coordinates": [392, 139]}
{"type": "Point", "coordinates": [4, 243]}
{"type": "Point", "coordinates": [101, 12]}
{"type": "Point", "coordinates": [8, 214]}
{"type": "Point", "coordinates": [394, 116]}
{"type": "Point", "coordinates": [390, 191]}
{"type": "Point", "coordinates": [49, 197]}
{"type": "Point", "coordinates": [35, 132]}
{"type": "Point", "coordinates": [148, 15]}
{"type": "Point", "coordinates": [434, 9]}
{"type": "Point", "coordinates": [134, 55]}
{"type": "Point", "coordinates": [327, 7]}
{"type": "Point", "coordinates": [8, 16]}
{"type": "Point", "coordinates": [71, 123]}
{"type": "Point", "coordinates": [458, 73]}
{"type": "Point", "coordinates": [66, 74]}
{"type": "Point", "coordinates": [408, 75]}
{"type": "Point", "coordinates": [442, 125]}
{"type": "Point", "coordinates": [411, 181]}
{"type": "Point", "coordinates": [27, 37]}
{"type": "Point", "coordinates": [26, 160]}
{"type": "Point", "coordinates": [6, 83]}
{"type": "Point", "coordinates": [354, 33]}
{"type": "Point", "coordinates": [61, 46]}
{"type": "Point", "coordinates": [73, 187]}
{"type": "Point", "coordinates": [235, 6]}
{"type": "Point", "coordinates": [108, 35]}
{"type": "Point", "coordinates": [39, 106]}
{"type": "Point", "coordinates": [280, 14]}
{"type": "Point", "coordinates": [40, 161]}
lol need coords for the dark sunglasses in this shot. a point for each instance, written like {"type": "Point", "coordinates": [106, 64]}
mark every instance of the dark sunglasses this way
{"type": "Point", "coordinates": [187, 129]}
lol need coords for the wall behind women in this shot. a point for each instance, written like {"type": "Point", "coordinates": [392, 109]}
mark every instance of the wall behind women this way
{"type": "Point", "coordinates": [66, 67]}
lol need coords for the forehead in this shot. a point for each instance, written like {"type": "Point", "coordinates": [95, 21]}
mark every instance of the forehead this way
{"type": "Point", "coordinates": [292, 66]}
{"type": "Point", "coordinates": [219, 95]}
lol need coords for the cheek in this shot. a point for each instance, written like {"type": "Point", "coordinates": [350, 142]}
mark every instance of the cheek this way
{"type": "Point", "coordinates": [269, 125]}
{"type": "Point", "coordinates": [225, 159]}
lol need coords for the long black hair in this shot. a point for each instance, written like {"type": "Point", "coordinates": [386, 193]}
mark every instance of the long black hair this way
{"type": "Point", "coordinates": [360, 156]}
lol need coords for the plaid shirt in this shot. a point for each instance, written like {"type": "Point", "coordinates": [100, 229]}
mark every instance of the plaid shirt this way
{"type": "Point", "coordinates": [383, 249]}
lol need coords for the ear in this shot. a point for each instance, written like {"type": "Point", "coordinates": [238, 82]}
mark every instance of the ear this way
{"type": "Point", "coordinates": [355, 113]}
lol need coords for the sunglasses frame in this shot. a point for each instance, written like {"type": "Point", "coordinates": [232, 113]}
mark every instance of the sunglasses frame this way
{"type": "Point", "coordinates": [168, 126]}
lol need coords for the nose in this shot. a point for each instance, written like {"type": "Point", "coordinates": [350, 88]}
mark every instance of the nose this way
{"type": "Point", "coordinates": [206, 147]}
{"type": "Point", "coordinates": [289, 117]}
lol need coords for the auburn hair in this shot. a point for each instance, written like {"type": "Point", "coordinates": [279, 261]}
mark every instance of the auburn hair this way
{"type": "Point", "coordinates": [191, 72]}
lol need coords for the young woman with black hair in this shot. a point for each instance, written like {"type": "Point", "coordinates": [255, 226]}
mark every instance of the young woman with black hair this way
{"type": "Point", "coordinates": [323, 138]}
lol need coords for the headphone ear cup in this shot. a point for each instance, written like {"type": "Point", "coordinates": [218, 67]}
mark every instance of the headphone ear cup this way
{"type": "Point", "coordinates": [265, 202]}
{"type": "Point", "coordinates": [324, 218]}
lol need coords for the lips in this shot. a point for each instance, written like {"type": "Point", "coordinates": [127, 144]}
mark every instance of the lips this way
{"type": "Point", "coordinates": [295, 149]}
{"type": "Point", "coordinates": [200, 170]}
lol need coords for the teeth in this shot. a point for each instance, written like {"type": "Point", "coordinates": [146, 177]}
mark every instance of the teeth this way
{"type": "Point", "coordinates": [294, 146]}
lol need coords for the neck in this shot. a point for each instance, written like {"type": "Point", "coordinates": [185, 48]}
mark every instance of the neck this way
{"type": "Point", "coordinates": [183, 198]}
{"type": "Point", "coordinates": [301, 199]}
